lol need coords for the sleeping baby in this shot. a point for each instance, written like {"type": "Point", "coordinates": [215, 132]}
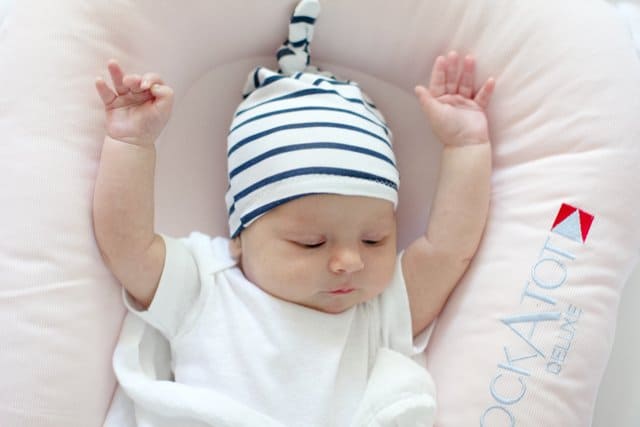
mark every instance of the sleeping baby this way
{"type": "Point", "coordinates": [306, 315]}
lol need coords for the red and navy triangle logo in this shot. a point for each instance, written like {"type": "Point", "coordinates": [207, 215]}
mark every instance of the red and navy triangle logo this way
{"type": "Point", "coordinates": [572, 223]}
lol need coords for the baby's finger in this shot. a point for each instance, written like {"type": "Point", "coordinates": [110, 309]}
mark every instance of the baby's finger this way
{"type": "Point", "coordinates": [438, 77]}
{"type": "Point", "coordinates": [150, 79]}
{"type": "Point", "coordinates": [466, 80]}
{"type": "Point", "coordinates": [132, 82]}
{"type": "Point", "coordinates": [452, 73]}
{"type": "Point", "coordinates": [105, 92]}
{"type": "Point", "coordinates": [483, 96]}
{"type": "Point", "coordinates": [116, 77]}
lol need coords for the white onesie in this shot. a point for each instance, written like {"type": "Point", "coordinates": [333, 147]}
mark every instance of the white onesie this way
{"type": "Point", "coordinates": [299, 366]}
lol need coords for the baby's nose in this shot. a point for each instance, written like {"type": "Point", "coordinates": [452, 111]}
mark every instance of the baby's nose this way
{"type": "Point", "coordinates": [346, 260]}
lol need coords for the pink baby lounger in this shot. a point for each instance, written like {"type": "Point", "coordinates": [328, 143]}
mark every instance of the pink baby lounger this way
{"type": "Point", "coordinates": [523, 340]}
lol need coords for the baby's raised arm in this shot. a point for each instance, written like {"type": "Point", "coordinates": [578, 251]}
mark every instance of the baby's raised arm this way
{"type": "Point", "coordinates": [123, 202]}
{"type": "Point", "coordinates": [435, 262]}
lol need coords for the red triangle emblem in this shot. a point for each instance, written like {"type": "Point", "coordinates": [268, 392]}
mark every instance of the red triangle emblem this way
{"type": "Point", "coordinates": [585, 219]}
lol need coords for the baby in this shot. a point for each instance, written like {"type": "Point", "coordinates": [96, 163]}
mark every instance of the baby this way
{"type": "Point", "coordinates": [289, 316]}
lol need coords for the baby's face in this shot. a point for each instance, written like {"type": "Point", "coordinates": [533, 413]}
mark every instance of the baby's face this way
{"type": "Point", "coordinates": [326, 252]}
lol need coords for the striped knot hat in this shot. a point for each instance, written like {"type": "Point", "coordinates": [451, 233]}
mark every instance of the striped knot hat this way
{"type": "Point", "coordinates": [301, 131]}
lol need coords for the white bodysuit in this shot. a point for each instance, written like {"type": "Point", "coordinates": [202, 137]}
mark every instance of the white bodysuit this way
{"type": "Point", "coordinates": [299, 366]}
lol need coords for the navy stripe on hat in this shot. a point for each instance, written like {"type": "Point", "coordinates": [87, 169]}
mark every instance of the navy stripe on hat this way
{"type": "Point", "coordinates": [307, 92]}
{"type": "Point", "coordinates": [352, 173]}
{"type": "Point", "coordinates": [310, 108]}
{"type": "Point", "coordinates": [292, 126]}
{"type": "Point", "coordinates": [308, 146]}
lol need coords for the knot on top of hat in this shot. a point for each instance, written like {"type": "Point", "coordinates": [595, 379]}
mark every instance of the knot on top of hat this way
{"type": "Point", "coordinates": [293, 56]}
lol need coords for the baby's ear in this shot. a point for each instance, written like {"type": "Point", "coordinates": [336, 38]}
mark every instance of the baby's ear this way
{"type": "Point", "coordinates": [235, 248]}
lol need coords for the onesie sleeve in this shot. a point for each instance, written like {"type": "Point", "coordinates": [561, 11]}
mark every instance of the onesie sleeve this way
{"type": "Point", "coordinates": [177, 291]}
{"type": "Point", "coordinates": [394, 316]}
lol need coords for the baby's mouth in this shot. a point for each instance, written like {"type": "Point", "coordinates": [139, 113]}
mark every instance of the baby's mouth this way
{"type": "Point", "coordinates": [342, 291]}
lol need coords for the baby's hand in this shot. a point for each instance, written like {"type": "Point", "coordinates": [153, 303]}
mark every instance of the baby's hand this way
{"type": "Point", "coordinates": [452, 105]}
{"type": "Point", "coordinates": [139, 108]}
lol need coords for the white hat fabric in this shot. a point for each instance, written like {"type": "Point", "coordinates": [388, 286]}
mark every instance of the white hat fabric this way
{"type": "Point", "coordinates": [304, 132]}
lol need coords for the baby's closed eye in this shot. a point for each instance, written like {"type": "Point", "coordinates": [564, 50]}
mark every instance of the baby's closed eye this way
{"type": "Point", "coordinates": [371, 242]}
{"type": "Point", "coordinates": [311, 245]}
{"type": "Point", "coordinates": [308, 242]}
{"type": "Point", "coordinates": [375, 240]}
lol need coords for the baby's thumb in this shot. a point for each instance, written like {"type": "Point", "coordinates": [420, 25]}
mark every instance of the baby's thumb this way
{"type": "Point", "coordinates": [425, 98]}
{"type": "Point", "coordinates": [163, 95]}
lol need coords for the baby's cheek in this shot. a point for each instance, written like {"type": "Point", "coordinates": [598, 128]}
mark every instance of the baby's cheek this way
{"type": "Point", "coordinates": [383, 271]}
{"type": "Point", "coordinates": [295, 271]}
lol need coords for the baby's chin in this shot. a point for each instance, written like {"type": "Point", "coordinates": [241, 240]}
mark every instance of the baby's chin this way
{"type": "Point", "coordinates": [335, 310]}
